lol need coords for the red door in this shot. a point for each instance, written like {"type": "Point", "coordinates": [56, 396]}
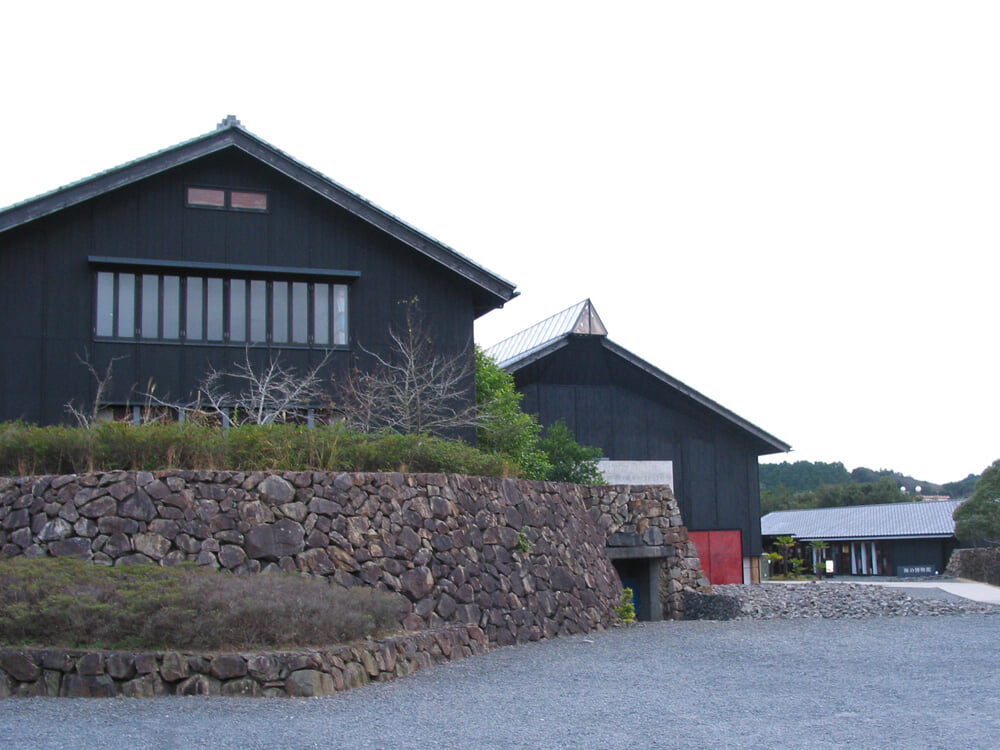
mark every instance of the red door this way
{"type": "Point", "coordinates": [721, 554]}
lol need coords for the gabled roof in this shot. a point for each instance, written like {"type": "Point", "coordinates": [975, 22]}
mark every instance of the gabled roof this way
{"type": "Point", "coordinates": [554, 333]}
{"type": "Point", "coordinates": [230, 133]}
{"type": "Point", "coordinates": [929, 518]}
{"type": "Point", "coordinates": [581, 318]}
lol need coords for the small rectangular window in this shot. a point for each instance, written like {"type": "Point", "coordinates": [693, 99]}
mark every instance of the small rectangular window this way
{"type": "Point", "coordinates": [206, 197]}
{"type": "Point", "coordinates": [213, 309]}
{"type": "Point", "coordinates": [279, 312]}
{"type": "Point", "coordinates": [126, 306]}
{"type": "Point", "coordinates": [150, 321]}
{"type": "Point", "coordinates": [193, 327]}
{"type": "Point", "coordinates": [171, 307]}
{"type": "Point", "coordinates": [321, 314]}
{"type": "Point", "coordinates": [300, 312]}
{"type": "Point", "coordinates": [248, 201]}
{"type": "Point", "coordinates": [105, 307]}
{"type": "Point", "coordinates": [237, 310]}
{"type": "Point", "coordinates": [340, 314]}
{"type": "Point", "coordinates": [258, 311]}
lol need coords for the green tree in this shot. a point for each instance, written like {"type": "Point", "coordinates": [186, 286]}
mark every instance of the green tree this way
{"type": "Point", "coordinates": [503, 427]}
{"type": "Point", "coordinates": [977, 520]}
{"type": "Point", "coordinates": [787, 545]}
{"type": "Point", "coordinates": [571, 462]}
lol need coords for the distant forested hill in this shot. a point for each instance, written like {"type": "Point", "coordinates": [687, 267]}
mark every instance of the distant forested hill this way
{"type": "Point", "coordinates": [808, 484]}
{"type": "Point", "coordinates": [802, 476]}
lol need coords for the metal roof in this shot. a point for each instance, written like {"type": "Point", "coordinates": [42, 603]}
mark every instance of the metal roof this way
{"type": "Point", "coordinates": [230, 133]}
{"type": "Point", "coordinates": [582, 319]}
{"type": "Point", "coordinates": [928, 518]}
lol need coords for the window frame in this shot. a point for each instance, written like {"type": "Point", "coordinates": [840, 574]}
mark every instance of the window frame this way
{"type": "Point", "coordinates": [118, 282]}
{"type": "Point", "coordinates": [227, 199]}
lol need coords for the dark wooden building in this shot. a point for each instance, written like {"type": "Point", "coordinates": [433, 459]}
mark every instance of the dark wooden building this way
{"type": "Point", "coordinates": [654, 429]}
{"type": "Point", "coordinates": [204, 254]}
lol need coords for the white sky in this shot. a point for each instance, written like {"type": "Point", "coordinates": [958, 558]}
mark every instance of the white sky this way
{"type": "Point", "coordinates": [789, 206]}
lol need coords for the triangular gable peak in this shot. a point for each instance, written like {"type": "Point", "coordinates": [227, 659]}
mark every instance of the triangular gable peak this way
{"type": "Point", "coordinates": [581, 319]}
{"type": "Point", "coordinates": [230, 133]}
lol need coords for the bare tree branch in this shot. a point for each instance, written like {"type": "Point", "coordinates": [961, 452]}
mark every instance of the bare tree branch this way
{"type": "Point", "coordinates": [103, 385]}
{"type": "Point", "coordinates": [247, 394]}
{"type": "Point", "coordinates": [414, 389]}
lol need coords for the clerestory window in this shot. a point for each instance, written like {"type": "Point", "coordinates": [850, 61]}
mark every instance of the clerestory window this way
{"type": "Point", "coordinates": [210, 309]}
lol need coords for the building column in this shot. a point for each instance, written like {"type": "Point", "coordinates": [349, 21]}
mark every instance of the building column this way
{"type": "Point", "coordinates": [864, 559]}
{"type": "Point", "coordinates": [854, 560]}
{"type": "Point", "coordinates": [875, 570]}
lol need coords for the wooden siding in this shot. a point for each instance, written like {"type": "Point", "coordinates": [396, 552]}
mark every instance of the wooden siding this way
{"type": "Point", "coordinates": [609, 403]}
{"type": "Point", "coordinates": [47, 287]}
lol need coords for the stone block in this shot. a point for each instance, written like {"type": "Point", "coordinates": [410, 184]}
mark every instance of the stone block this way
{"type": "Point", "coordinates": [309, 683]}
{"type": "Point", "coordinates": [283, 538]}
{"type": "Point", "coordinates": [228, 666]}
{"type": "Point", "coordinates": [72, 547]}
{"type": "Point", "coordinates": [145, 686]}
{"type": "Point", "coordinates": [276, 490]}
{"type": "Point", "coordinates": [200, 684]}
{"type": "Point", "coordinates": [87, 686]}
{"type": "Point", "coordinates": [19, 665]}
{"type": "Point", "coordinates": [173, 667]}
{"type": "Point", "coordinates": [245, 687]}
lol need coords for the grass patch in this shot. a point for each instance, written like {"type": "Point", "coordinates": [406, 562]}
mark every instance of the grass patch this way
{"type": "Point", "coordinates": [27, 449]}
{"type": "Point", "coordinates": [74, 604]}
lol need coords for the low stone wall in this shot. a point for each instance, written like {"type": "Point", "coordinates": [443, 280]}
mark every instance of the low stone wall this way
{"type": "Point", "coordinates": [979, 564]}
{"type": "Point", "coordinates": [106, 674]}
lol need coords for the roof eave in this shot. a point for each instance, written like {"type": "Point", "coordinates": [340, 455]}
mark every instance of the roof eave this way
{"type": "Point", "coordinates": [770, 443]}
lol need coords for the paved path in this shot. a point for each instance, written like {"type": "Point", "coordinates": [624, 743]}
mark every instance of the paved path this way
{"type": "Point", "coordinates": [904, 682]}
{"type": "Point", "coordinates": [978, 592]}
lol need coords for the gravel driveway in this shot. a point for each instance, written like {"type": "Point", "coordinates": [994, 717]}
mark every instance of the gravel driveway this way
{"type": "Point", "coordinates": [899, 682]}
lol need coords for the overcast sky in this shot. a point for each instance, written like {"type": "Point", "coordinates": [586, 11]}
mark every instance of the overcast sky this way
{"type": "Point", "coordinates": [790, 206]}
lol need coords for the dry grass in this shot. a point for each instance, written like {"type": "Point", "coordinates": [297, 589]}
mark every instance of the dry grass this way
{"type": "Point", "coordinates": [74, 604]}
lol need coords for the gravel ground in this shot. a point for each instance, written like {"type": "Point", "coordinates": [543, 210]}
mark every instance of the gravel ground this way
{"type": "Point", "coordinates": [887, 682]}
{"type": "Point", "coordinates": [826, 599]}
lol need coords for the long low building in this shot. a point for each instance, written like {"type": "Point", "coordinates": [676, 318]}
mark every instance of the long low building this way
{"type": "Point", "coordinates": [889, 539]}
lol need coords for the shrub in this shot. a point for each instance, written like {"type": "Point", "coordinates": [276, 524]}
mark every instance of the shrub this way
{"type": "Point", "coordinates": [571, 462]}
{"type": "Point", "coordinates": [75, 604]}
{"type": "Point", "coordinates": [27, 449]}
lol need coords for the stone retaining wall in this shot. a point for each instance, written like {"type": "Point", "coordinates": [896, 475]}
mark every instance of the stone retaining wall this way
{"type": "Point", "coordinates": [520, 559]}
{"type": "Point", "coordinates": [649, 516]}
{"type": "Point", "coordinates": [503, 561]}
{"type": "Point", "coordinates": [979, 564]}
{"type": "Point", "coordinates": [106, 674]}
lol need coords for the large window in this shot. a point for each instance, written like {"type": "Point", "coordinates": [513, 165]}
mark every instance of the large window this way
{"type": "Point", "coordinates": [170, 307]}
